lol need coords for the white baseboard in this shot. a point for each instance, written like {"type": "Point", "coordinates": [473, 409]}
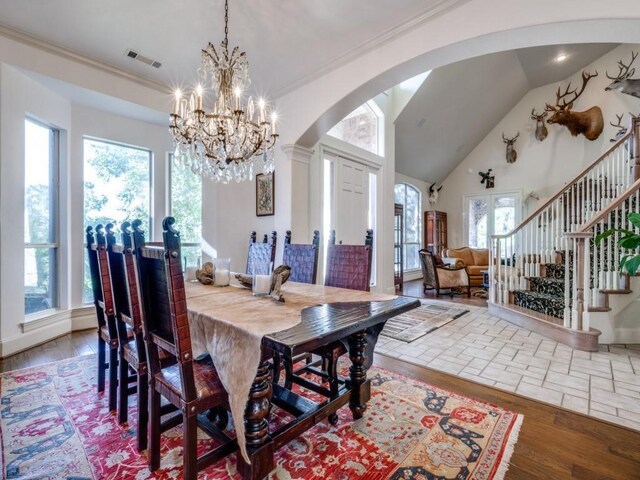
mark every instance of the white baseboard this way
{"type": "Point", "coordinates": [47, 328]}
{"type": "Point", "coordinates": [83, 318]}
{"type": "Point", "coordinates": [26, 340]}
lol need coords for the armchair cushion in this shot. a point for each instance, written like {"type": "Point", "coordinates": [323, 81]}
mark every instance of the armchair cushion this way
{"type": "Point", "coordinates": [437, 259]}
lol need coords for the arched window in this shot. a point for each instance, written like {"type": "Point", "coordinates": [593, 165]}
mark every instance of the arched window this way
{"type": "Point", "coordinates": [409, 197]}
{"type": "Point", "coordinates": [364, 128]}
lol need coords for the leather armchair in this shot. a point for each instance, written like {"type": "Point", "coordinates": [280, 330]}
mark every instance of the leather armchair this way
{"type": "Point", "coordinates": [441, 277]}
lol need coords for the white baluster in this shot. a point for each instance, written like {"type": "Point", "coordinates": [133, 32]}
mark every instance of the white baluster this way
{"type": "Point", "coordinates": [567, 293]}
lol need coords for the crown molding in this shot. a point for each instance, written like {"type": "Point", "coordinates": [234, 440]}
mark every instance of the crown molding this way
{"type": "Point", "coordinates": [439, 9]}
{"type": "Point", "coordinates": [67, 54]}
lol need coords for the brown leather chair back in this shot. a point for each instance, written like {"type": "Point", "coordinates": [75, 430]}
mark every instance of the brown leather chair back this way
{"type": "Point", "coordinates": [164, 306]}
{"type": "Point", "coordinates": [349, 266]}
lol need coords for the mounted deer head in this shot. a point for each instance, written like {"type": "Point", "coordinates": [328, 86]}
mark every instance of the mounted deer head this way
{"type": "Point", "coordinates": [588, 123]}
{"type": "Point", "coordinates": [512, 155]}
{"type": "Point", "coordinates": [622, 82]}
{"type": "Point", "coordinates": [433, 193]}
{"type": "Point", "coordinates": [541, 128]}
{"type": "Point", "coordinates": [622, 130]}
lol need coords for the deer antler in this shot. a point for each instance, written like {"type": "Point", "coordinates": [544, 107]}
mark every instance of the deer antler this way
{"type": "Point", "coordinates": [586, 76]}
{"type": "Point", "coordinates": [510, 140]}
{"type": "Point", "coordinates": [619, 124]}
{"type": "Point", "coordinates": [623, 70]}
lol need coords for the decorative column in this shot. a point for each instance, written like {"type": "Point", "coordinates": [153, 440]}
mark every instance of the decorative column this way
{"type": "Point", "coordinates": [294, 193]}
{"type": "Point", "coordinates": [581, 276]}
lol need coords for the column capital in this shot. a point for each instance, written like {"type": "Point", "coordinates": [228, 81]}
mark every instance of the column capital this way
{"type": "Point", "coordinates": [297, 153]}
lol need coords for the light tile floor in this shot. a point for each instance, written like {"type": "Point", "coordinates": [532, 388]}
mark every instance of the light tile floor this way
{"type": "Point", "coordinates": [486, 349]}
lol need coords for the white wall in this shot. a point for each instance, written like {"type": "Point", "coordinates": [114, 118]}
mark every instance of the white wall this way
{"type": "Point", "coordinates": [21, 96]}
{"type": "Point", "coordinates": [541, 167]}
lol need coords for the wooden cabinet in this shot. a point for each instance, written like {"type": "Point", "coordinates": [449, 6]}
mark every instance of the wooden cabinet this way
{"type": "Point", "coordinates": [398, 266]}
{"type": "Point", "coordinates": [435, 231]}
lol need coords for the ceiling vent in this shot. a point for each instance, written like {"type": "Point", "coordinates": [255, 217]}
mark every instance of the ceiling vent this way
{"type": "Point", "coordinates": [141, 58]}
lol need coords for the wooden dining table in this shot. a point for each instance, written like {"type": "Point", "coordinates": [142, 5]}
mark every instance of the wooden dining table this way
{"type": "Point", "coordinates": [244, 333]}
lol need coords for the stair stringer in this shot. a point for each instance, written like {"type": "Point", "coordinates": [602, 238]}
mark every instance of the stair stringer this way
{"type": "Point", "coordinates": [621, 324]}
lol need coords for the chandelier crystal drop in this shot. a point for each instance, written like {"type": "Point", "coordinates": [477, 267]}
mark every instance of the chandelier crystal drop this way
{"type": "Point", "coordinates": [235, 138]}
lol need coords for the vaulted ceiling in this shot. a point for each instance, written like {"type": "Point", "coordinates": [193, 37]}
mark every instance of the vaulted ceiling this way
{"type": "Point", "coordinates": [459, 104]}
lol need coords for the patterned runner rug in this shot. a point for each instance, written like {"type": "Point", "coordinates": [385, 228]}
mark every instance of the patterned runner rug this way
{"type": "Point", "coordinates": [56, 426]}
{"type": "Point", "coordinates": [422, 320]}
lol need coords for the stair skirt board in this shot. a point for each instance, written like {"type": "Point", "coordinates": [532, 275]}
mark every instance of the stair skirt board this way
{"type": "Point", "coordinates": [547, 326]}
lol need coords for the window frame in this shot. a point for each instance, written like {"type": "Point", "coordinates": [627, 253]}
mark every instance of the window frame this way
{"type": "Point", "coordinates": [54, 219]}
{"type": "Point", "coordinates": [171, 160]}
{"type": "Point", "coordinates": [380, 128]}
{"type": "Point", "coordinates": [149, 151]}
{"type": "Point", "coordinates": [404, 224]}
{"type": "Point", "coordinates": [490, 198]}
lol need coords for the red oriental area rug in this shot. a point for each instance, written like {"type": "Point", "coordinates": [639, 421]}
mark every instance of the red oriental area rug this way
{"type": "Point", "coordinates": [55, 425]}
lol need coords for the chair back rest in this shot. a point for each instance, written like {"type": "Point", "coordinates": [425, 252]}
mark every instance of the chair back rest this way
{"type": "Point", "coordinates": [302, 258]}
{"type": "Point", "coordinates": [94, 271]}
{"type": "Point", "coordinates": [106, 302]}
{"type": "Point", "coordinates": [164, 306]}
{"type": "Point", "coordinates": [427, 263]}
{"type": "Point", "coordinates": [349, 266]}
{"type": "Point", "coordinates": [259, 252]}
{"type": "Point", "coordinates": [118, 283]}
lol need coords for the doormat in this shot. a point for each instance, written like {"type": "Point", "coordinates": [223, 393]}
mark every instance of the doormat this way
{"type": "Point", "coordinates": [422, 320]}
{"type": "Point", "coordinates": [55, 425]}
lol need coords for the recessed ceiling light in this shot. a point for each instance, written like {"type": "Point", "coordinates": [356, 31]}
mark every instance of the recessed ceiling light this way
{"type": "Point", "coordinates": [561, 58]}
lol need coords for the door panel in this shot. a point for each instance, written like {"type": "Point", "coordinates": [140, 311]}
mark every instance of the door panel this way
{"type": "Point", "coordinates": [351, 216]}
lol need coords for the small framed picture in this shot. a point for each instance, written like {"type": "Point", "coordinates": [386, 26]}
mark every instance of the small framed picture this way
{"type": "Point", "coordinates": [265, 194]}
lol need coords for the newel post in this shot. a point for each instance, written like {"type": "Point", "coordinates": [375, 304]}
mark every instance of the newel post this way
{"type": "Point", "coordinates": [581, 277]}
{"type": "Point", "coordinates": [635, 125]}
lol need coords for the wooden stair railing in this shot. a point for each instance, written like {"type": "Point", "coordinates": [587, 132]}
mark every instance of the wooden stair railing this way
{"type": "Point", "coordinates": [543, 235]}
{"type": "Point", "coordinates": [596, 267]}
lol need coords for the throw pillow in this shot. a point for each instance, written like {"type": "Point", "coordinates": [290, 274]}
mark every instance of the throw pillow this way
{"type": "Point", "coordinates": [437, 260]}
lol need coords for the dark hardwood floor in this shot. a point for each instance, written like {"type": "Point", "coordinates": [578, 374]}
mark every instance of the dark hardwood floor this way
{"type": "Point", "coordinates": [554, 443]}
{"type": "Point", "coordinates": [413, 288]}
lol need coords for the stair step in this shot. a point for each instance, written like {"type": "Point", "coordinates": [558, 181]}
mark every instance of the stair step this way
{"type": "Point", "coordinates": [598, 309]}
{"type": "Point", "coordinates": [540, 302]}
{"type": "Point", "coordinates": [555, 270]}
{"type": "Point", "coordinates": [551, 286]}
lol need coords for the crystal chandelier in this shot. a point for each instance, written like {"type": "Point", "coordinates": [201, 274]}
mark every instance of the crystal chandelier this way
{"type": "Point", "coordinates": [236, 136]}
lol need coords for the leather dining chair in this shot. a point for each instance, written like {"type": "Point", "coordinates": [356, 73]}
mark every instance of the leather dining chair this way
{"type": "Point", "coordinates": [302, 258]}
{"type": "Point", "coordinates": [105, 311]}
{"type": "Point", "coordinates": [348, 266]}
{"type": "Point", "coordinates": [259, 252]}
{"type": "Point", "coordinates": [191, 386]}
{"type": "Point", "coordinates": [129, 327]}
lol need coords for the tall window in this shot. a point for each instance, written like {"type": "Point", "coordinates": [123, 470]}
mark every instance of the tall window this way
{"type": "Point", "coordinates": [409, 197]}
{"type": "Point", "coordinates": [40, 218]}
{"type": "Point", "coordinates": [116, 188]}
{"type": "Point", "coordinates": [364, 128]}
{"type": "Point", "coordinates": [185, 189]}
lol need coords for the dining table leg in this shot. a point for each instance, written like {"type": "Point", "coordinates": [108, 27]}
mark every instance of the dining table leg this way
{"type": "Point", "coordinates": [360, 387]}
{"type": "Point", "coordinates": [259, 442]}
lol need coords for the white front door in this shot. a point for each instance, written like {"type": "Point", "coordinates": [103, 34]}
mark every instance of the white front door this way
{"type": "Point", "coordinates": [352, 198]}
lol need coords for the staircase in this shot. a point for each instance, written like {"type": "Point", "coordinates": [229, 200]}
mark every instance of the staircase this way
{"type": "Point", "coordinates": [547, 274]}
